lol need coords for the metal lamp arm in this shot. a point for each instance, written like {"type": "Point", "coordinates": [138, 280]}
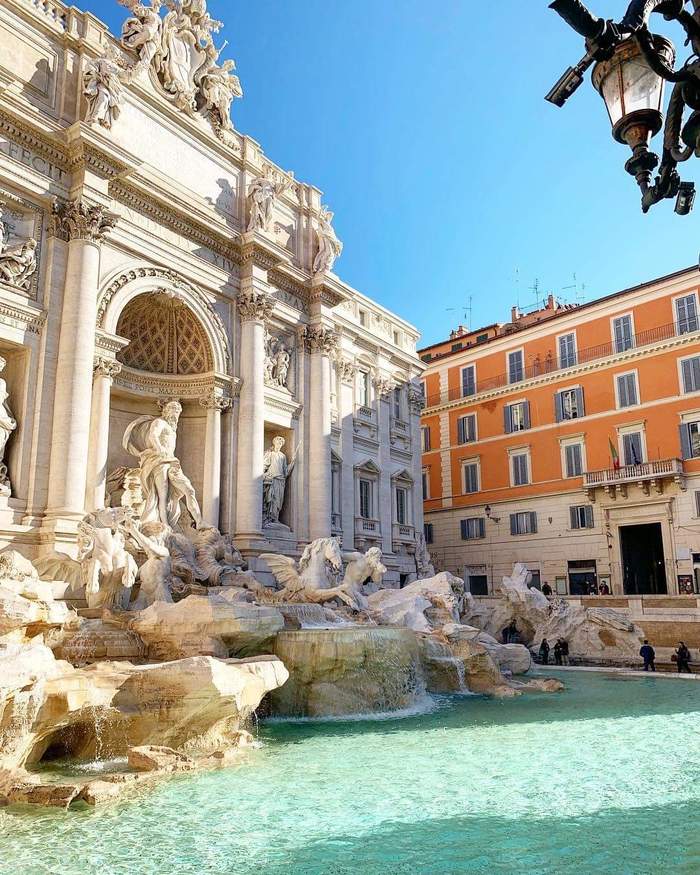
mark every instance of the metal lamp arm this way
{"type": "Point", "coordinates": [639, 12]}
{"type": "Point", "coordinates": [645, 41]}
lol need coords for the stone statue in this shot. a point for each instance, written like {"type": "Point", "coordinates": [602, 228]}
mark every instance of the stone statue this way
{"type": "Point", "coordinates": [141, 32]}
{"type": "Point", "coordinates": [108, 570]}
{"type": "Point", "coordinates": [152, 440]}
{"type": "Point", "coordinates": [103, 89]}
{"type": "Point", "coordinates": [18, 265]}
{"type": "Point", "coordinates": [329, 247]}
{"type": "Point", "coordinates": [219, 87]}
{"type": "Point", "coordinates": [362, 567]}
{"type": "Point", "coordinates": [308, 582]}
{"type": "Point", "coordinates": [278, 361]}
{"type": "Point", "coordinates": [7, 425]}
{"type": "Point", "coordinates": [216, 556]}
{"type": "Point", "coordinates": [262, 195]}
{"type": "Point", "coordinates": [155, 574]}
{"type": "Point", "coordinates": [424, 562]}
{"type": "Point", "coordinates": [276, 470]}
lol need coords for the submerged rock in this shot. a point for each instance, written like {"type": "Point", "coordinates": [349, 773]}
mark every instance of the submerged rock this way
{"type": "Point", "coordinates": [155, 758]}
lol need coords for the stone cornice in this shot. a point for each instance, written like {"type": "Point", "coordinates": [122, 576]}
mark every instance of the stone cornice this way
{"type": "Point", "coordinates": [22, 318]}
{"type": "Point", "coordinates": [23, 132]}
{"type": "Point", "coordinates": [84, 155]}
{"type": "Point", "coordinates": [171, 386]}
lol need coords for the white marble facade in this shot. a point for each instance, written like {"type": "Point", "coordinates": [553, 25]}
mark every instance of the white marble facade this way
{"type": "Point", "coordinates": [149, 252]}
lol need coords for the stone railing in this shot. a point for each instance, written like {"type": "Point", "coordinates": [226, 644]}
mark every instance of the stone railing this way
{"type": "Point", "coordinates": [399, 426]}
{"type": "Point", "coordinates": [54, 10]}
{"type": "Point", "coordinates": [403, 534]}
{"type": "Point", "coordinates": [633, 473]}
{"type": "Point", "coordinates": [366, 528]}
{"type": "Point", "coordinates": [365, 413]}
{"type": "Point", "coordinates": [336, 522]}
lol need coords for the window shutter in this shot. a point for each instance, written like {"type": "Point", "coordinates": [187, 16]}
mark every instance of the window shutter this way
{"type": "Point", "coordinates": [471, 428]}
{"type": "Point", "coordinates": [579, 402]}
{"type": "Point", "coordinates": [482, 527]}
{"type": "Point", "coordinates": [589, 516]}
{"type": "Point", "coordinates": [558, 407]}
{"type": "Point", "coordinates": [463, 526]}
{"type": "Point", "coordinates": [526, 413]}
{"type": "Point", "coordinates": [460, 430]}
{"type": "Point", "coordinates": [514, 524]}
{"type": "Point", "coordinates": [468, 382]}
{"type": "Point", "coordinates": [507, 419]}
{"type": "Point", "coordinates": [533, 521]}
{"type": "Point", "coordinates": [686, 448]}
{"type": "Point", "coordinates": [622, 391]}
{"type": "Point", "coordinates": [573, 514]}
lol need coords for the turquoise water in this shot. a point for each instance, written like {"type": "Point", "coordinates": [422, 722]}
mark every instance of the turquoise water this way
{"type": "Point", "coordinates": [603, 778]}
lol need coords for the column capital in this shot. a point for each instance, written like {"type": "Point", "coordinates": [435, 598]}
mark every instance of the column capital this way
{"type": "Point", "coordinates": [317, 338]}
{"type": "Point", "coordinates": [254, 306]}
{"type": "Point", "coordinates": [346, 370]}
{"type": "Point", "coordinates": [383, 386]}
{"type": "Point", "coordinates": [76, 220]}
{"type": "Point", "coordinates": [106, 367]}
{"type": "Point", "coordinates": [416, 399]}
{"type": "Point", "coordinates": [213, 400]}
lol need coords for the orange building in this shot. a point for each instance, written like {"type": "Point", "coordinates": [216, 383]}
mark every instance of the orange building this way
{"type": "Point", "coordinates": [569, 439]}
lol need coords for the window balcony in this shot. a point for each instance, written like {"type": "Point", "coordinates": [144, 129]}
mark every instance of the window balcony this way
{"type": "Point", "coordinates": [368, 528]}
{"type": "Point", "coordinates": [336, 523]}
{"type": "Point", "coordinates": [400, 427]}
{"type": "Point", "coordinates": [647, 475]}
{"type": "Point", "coordinates": [403, 534]}
{"type": "Point", "coordinates": [365, 413]}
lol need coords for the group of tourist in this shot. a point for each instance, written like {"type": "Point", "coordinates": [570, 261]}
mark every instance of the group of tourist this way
{"type": "Point", "coordinates": [561, 652]}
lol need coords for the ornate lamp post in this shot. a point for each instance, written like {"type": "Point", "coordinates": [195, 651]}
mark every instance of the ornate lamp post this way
{"type": "Point", "coordinates": [630, 68]}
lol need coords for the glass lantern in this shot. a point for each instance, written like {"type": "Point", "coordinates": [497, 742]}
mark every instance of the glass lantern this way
{"type": "Point", "coordinates": [632, 91]}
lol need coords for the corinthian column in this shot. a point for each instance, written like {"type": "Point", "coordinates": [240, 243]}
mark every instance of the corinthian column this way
{"type": "Point", "coordinates": [320, 343]}
{"type": "Point", "coordinates": [105, 371]}
{"type": "Point", "coordinates": [84, 227]}
{"type": "Point", "coordinates": [254, 308]}
{"type": "Point", "coordinates": [383, 387]}
{"type": "Point", "coordinates": [214, 404]}
{"type": "Point", "coordinates": [347, 371]}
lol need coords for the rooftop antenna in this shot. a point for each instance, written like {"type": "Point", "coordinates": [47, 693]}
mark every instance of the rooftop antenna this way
{"type": "Point", "coordinates": [579, 290]}
{"type": "Point", "coordinates": [466, 310]}
{"type": "Point", "coordinates": [535, 287]}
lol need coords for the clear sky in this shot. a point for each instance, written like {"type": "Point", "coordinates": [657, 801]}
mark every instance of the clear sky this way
{"type": "Point", "coordinates": [449, 175]}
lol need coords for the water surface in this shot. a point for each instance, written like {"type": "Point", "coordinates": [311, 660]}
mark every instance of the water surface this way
{"type": "Point", "coordinates": [602, 778]}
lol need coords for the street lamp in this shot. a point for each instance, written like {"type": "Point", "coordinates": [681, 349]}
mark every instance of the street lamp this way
{"type": "Point", "coordinates": [631, 68]}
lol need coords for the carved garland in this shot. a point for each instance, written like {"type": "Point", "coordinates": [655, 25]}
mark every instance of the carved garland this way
{"type": "Point", "coordinates": [179, 283]}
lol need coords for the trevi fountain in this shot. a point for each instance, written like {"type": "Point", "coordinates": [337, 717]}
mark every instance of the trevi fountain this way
{"type": "Point", "coordinates": [223, 645]}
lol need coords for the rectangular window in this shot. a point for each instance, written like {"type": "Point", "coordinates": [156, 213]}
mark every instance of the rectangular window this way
{"type": "Point", "coordinates": [397, 403]}
{"type": "Point", "coordinates": [516, 417]}
{"type": "Point", "coordinates": [581, 516]}
{"type": "Point", "coordinates": [567, 350]}
{"type": "Point", "coordinates": [568, 404]}
{"type": "Point", "coordinates": [401, 506]}
{"type": "Point", "coordinates": [426, 485]}
{"type": "Point", "coordinates": [428, 532]}
{"type": "Point", "coordinates": [363, 318]}
{"type": "Point", "coordinates": [477, 580]}
{"type": "Point", "coordinates": [516, 366]}
{"type": "Point", "coordinates": [366, 499]}
{"type": "Point", "coordinates": [425, 438]}
{"type": "Point", "coordinates": [471, 477]}
{"type": "Point", "coordinates": [632, 452]}
{"type": "Point", "coordinates": [690, 371]}
{"type": "Point", "coordinates": [473, 529]}
{"type": "Point", "coordinates": [523, 523]}
{"type": "Point", "coordinates": [573, 454]}
{"type": "Point", "coordinates": [468, 381]}
{"type": "Point", "coordinates": [690, 440]}
{"type": "Point", "coordinates": [627, 395]}
{"type": "Point", "coordinates": [520, 469]}
{"type": "Point", "coordinates": [365, 396]}
{"type": "Point", "coordinates": [686, 314]}
{"type": "Point", "coordinates": [466, 429]}
{"type": "Point", "coordinates": [697, 504]}
{"type": "Point", "coordinates": [623, 338]}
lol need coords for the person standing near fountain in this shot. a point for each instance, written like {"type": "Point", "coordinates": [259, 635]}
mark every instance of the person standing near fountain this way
{"type": "Point", "coordinates": [648, 654]}
{"type": "Point", "coordinates": [544, 652]}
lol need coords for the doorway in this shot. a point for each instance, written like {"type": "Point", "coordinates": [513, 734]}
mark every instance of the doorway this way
{"type": "Point", "coordinates": [643, 566]}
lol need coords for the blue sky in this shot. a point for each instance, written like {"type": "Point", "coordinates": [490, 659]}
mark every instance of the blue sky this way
{"type": "Point", "coordinates": [449, 175]}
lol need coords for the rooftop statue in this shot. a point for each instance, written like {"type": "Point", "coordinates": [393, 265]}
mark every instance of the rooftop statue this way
{"type": "Point", "coordinates": [103, 89]}
{"type": "Point", "coordinates": [329, 247]}
{"type": "Point", "coordinates": [164, 484]}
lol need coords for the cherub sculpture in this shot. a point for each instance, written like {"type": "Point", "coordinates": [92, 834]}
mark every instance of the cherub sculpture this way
{"type": "Point", "coordinates": [141, 32]}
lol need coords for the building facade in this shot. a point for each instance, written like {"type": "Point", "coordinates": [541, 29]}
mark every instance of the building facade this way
{"type": "Point", "coordinates": [151, 252]}
{"type": "Point", "coordinates": [569, 440]}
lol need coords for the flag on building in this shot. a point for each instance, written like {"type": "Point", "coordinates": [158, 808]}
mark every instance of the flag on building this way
{"type": "Point", "coordinates": [614, 455]}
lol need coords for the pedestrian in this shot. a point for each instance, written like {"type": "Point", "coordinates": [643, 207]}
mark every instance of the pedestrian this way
{"type": "Point", "coordinates": [604, 588]}
{"type": "Point", "coordinates": [682, 658]}
{"type": "Point", "coordinates": [593, 588]}
{"type": "Point", "coordinates": [544, 652]}
{"type": "Point", "coordinates": [564, 651]}
{"type": "Point", "coordinates": [546, 589]}
{"type": "Point", "coordinates": [557, 652]}
{"type": "Point", "coordinates": [646, 651]}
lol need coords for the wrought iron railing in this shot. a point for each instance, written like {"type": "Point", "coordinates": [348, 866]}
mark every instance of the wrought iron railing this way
{"type": "Point", "coordinates": [550, 364]}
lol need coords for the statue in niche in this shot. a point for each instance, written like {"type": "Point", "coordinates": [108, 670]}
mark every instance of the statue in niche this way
{"type": "Point", "coordinates": [103, 89]}
{"type": "Point", "coordinates": [7, 425]}
{"type": "Point", "coordinates": [276, 471]}
{"type": "Point", "coordinates": [141, 32]}
{"type": "Point", "coordinates": [329, 247]}
{"type": "Point", "coordinates": [17, 264]}
{"type": "Point", "coordinates": [262, 194]}
{"type": "Point", "coordinates": [152, 440]}
{"type": "Point", "coordinates": [278, 360]}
